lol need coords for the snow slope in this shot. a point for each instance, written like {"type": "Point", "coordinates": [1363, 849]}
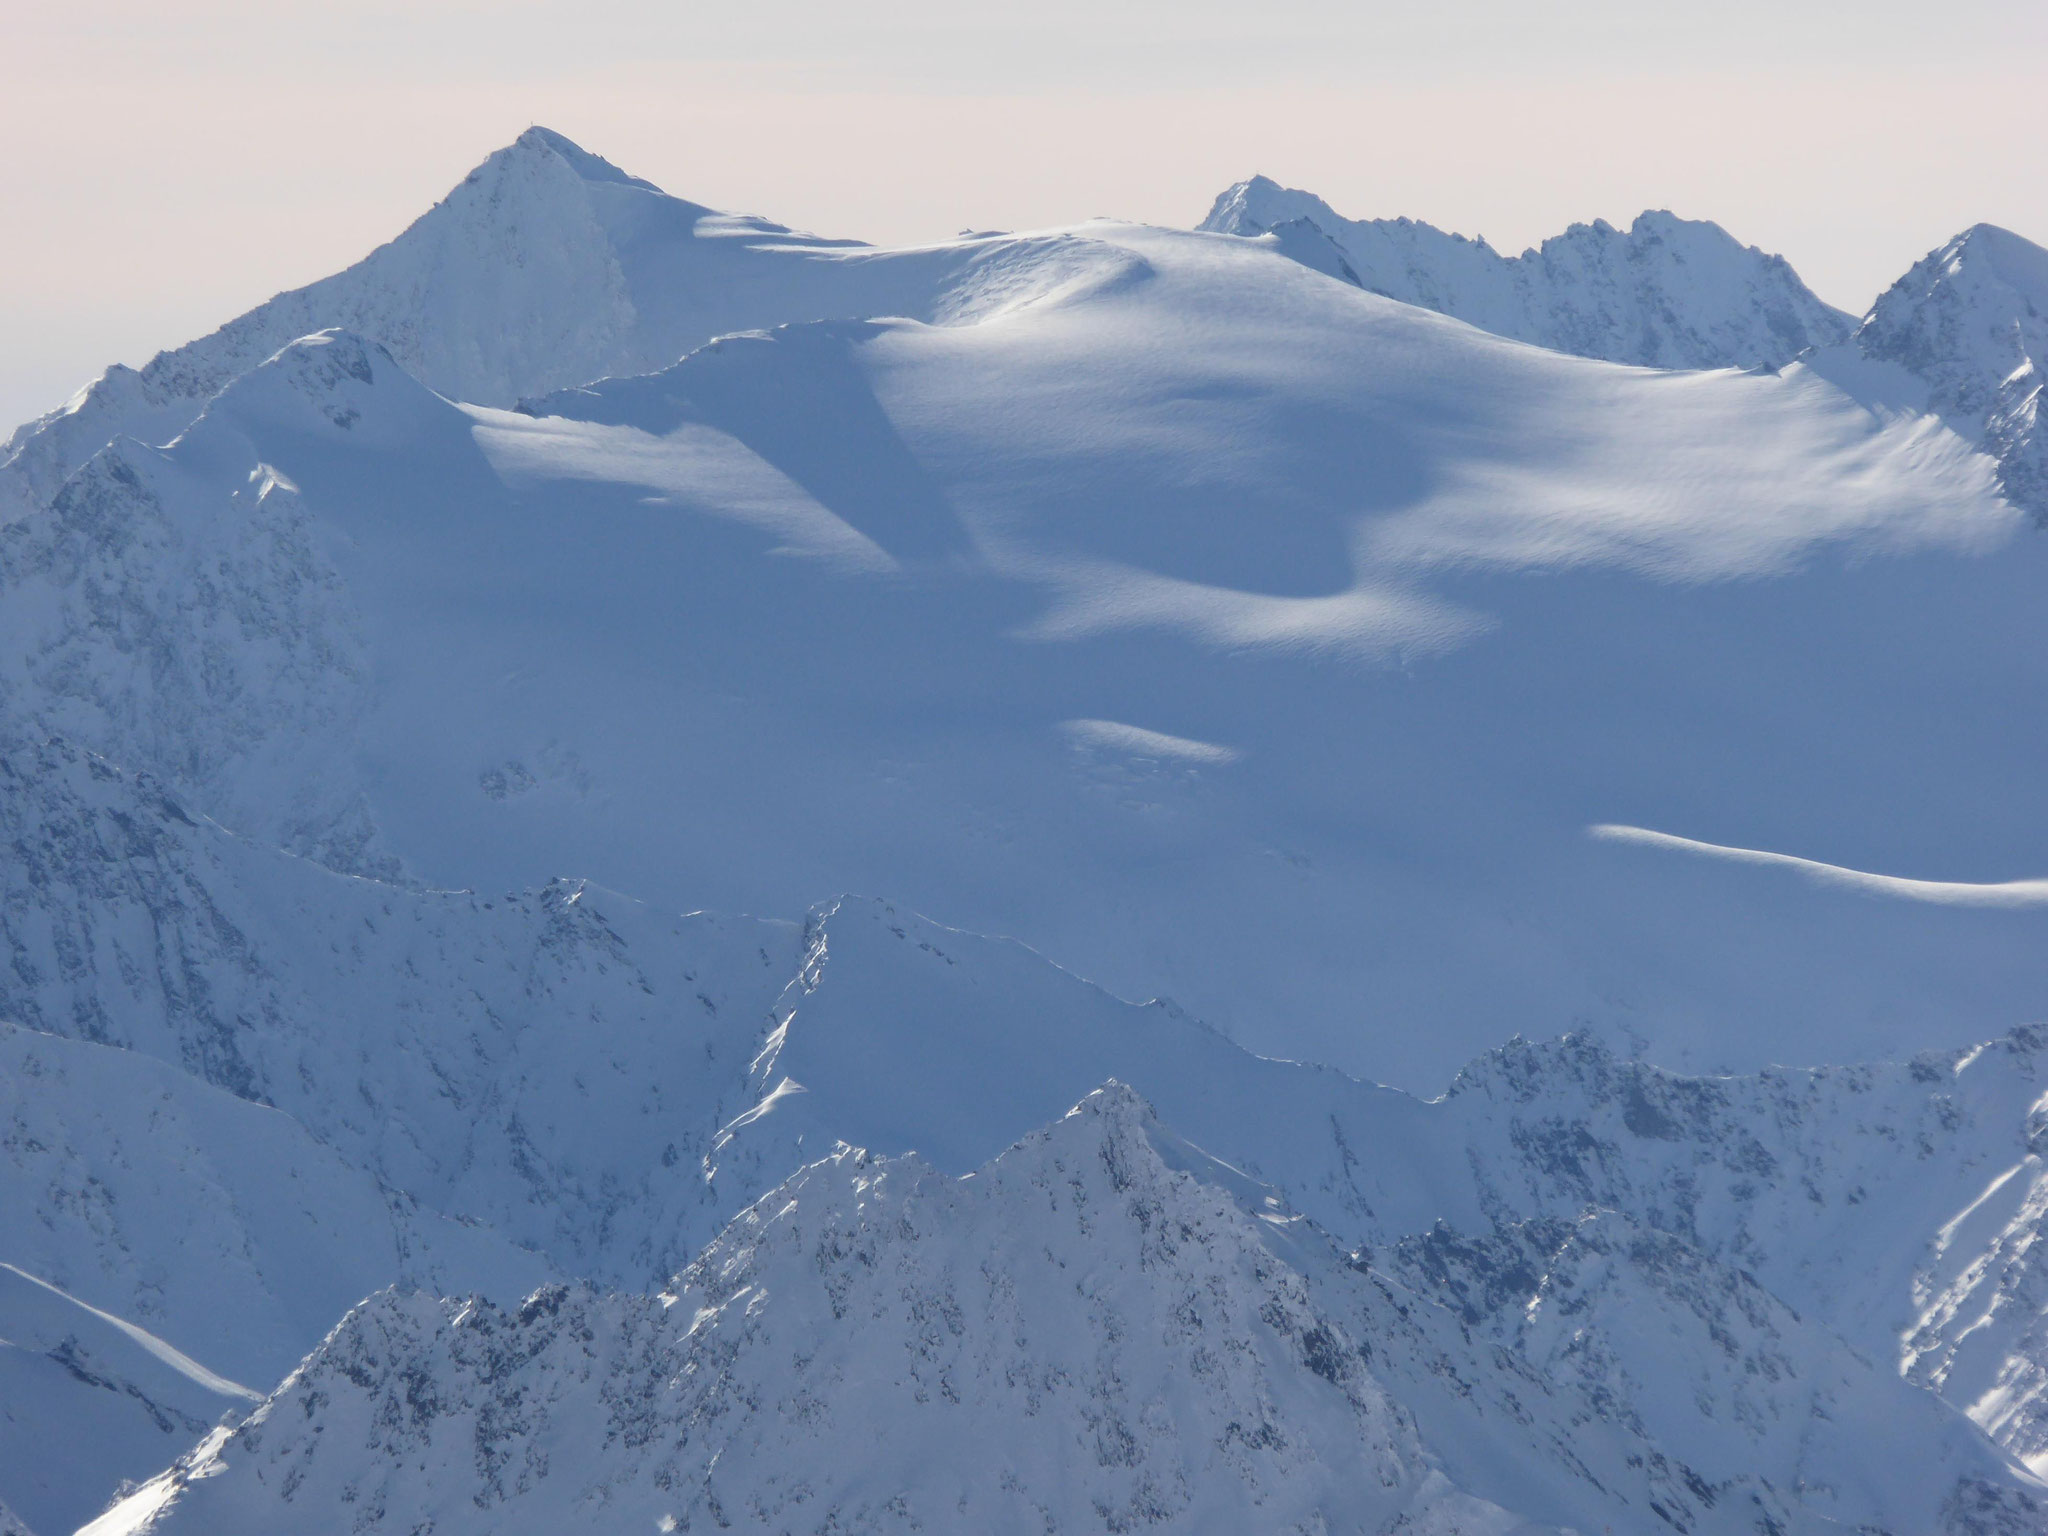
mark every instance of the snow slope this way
{"type": "Point", "coordinates": [1665, 293]}
{"type": "Point", "coordinates": [88, 1402]}
{"type": "Point", "coordinates": [1427, 607]}
{"type": "Point", "coordinates": [218, 1225]}
{"type": "Point", "coordinates": [1898, 1205]}
{"type": "Point", "coordinates": [1103, 1328]}
{"type": "Point", "coordinates": [536, 1065]}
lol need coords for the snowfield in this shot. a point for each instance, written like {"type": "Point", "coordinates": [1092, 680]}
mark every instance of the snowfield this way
{"type": "Point", "coordinates": [1554, 738]}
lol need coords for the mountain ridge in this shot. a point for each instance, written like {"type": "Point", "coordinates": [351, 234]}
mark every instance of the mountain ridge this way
{"type": "Point", "coordinates": [1668, 292]}
{"type": "Point", "coordinates": [880, 1028]}
{"type": "Point", "coordinates": [948, 1299]}
{"type": "Point", "coordinates": [1971, 320]}
{"type": "Point", "coordinates": [1966, 322]}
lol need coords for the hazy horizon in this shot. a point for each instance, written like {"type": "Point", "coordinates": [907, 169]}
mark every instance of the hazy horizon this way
{"type": "Point", "coordinates": [179, 170]}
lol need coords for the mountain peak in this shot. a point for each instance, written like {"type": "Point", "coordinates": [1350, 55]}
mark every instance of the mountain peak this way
{"type": "Point", "coordinates": [585, 164]}
{"type": "Point", "coordinates": [1661, 223]}
{"type": "Point", "coordinates": [1970, 320]}
{"type": "Point", "coordinates": [1117, 1105]}
{"type": "Point", "coordinates": [2014, 259]}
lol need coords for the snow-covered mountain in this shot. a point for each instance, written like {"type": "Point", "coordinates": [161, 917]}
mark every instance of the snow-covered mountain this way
{"type": "Point", "coordinates": [221, 1225]}
{"type": "Point", "coordinates": [566, 1083]}
{"type": "Point", "coordinates": [1378, 687]}
{"type": "Point", "coordinates": [1104, 1328]}
{"type": "Point", "coordinates": [414, 1049]}
{"type": "Point", "coordinates": [548, 266]}
{"type": "Point", "coordinates": [1967, 325]}
{"type": "Point", "coordinates": [1970, 322]}
{"type": "Point", "coordinates": [1665, 293]}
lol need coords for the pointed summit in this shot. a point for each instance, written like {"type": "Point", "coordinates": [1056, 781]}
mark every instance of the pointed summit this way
{"type": "Point", "coordinates": [2016, 260]}
{"type": "Point", "coordinates": [1970, 320]}
{"type": "Point", "coordinates": [590, 167]}
{"type": "Point", "coordinates": [1964, 316]}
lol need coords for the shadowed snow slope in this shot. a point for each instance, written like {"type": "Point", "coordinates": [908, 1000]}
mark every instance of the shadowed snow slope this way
{"type": "Point", "coordinates": [1666, 293]}
{"type": "Point", "coordinates": [1378, 687]}
{"type": "Point", "coordinates": [1102, 1329]}
{"type": "Point", "coordinates": [88, 1401]}
{"type": "Point", "coordinates": [220, 1224]}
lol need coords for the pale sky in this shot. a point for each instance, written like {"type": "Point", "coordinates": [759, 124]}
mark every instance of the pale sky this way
{"type": "Point", "coordinates": [170, 166]}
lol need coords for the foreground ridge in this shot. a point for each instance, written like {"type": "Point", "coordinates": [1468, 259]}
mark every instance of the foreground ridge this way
{"type": "Point", "coordinates": [1104, 1328]}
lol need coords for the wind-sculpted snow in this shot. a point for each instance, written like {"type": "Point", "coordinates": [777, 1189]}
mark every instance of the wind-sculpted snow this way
{"type": "Point", "coordinates": [1438, 602]}
{"type": "Point", "coordinates": [1666, 293]}
{"type": "Point", "coordinates": [2004, 893]}
{"type": "Point", "coordinates": [1103, 1329]}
